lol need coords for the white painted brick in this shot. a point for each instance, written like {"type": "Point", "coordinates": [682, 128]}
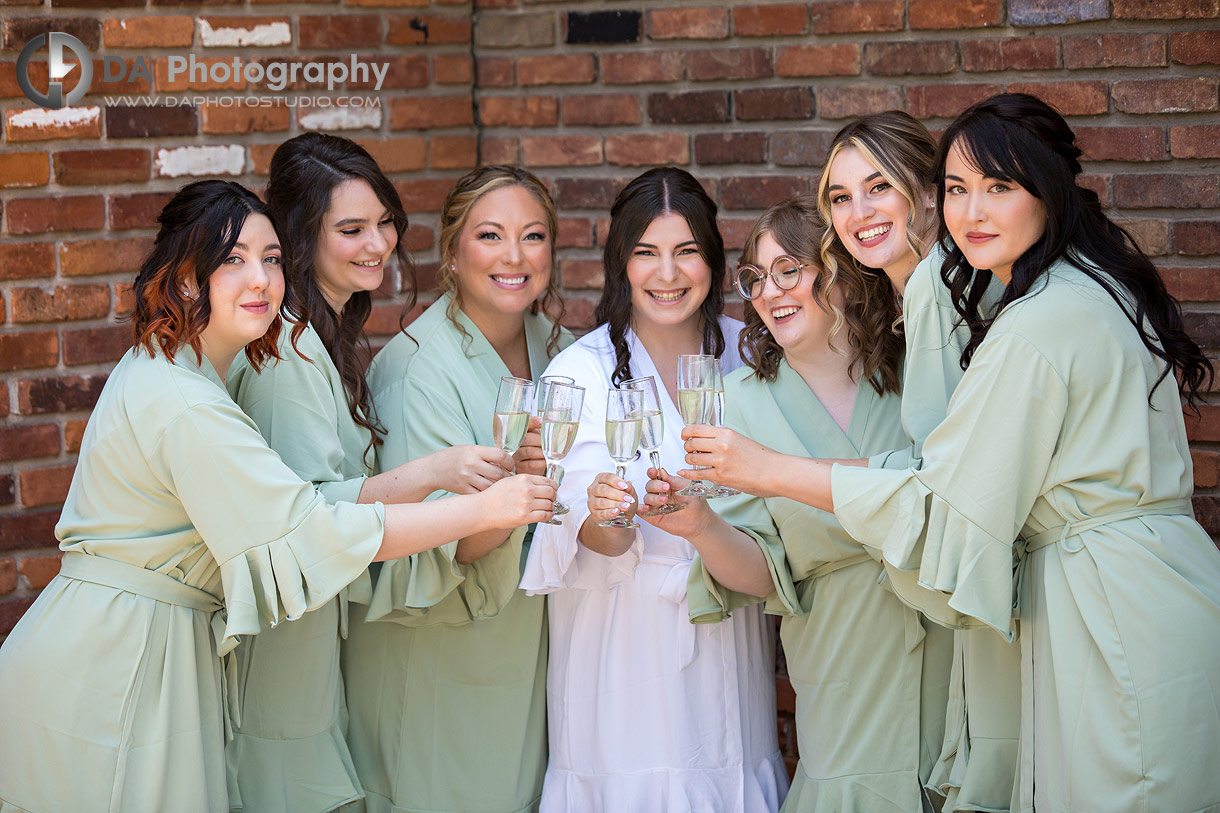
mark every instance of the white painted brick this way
{"type": "Point", "coordinates": [266, 34]}
{"type": "Point", "coordinates": [64, 117]}
{"type": "Point", "coordinates": [342, 118]}
{"type": "Point", "coordinates": [197, 161]}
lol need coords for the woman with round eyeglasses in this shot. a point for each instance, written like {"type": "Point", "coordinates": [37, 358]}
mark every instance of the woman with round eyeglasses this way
{"type": "Point", "coordinates": [821, 381]}
{"type": "Point", "coordinates": [646, 711]}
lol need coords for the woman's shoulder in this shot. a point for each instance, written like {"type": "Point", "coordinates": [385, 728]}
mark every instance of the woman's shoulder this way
{"type": "Point", "coordinates": [154, 390]}
{"type": "Point", "coordinates": [427, 340]}
{"type": "Point", "coordinates": [590, 347]}
{"type": "Point", "coordinates": [1064, 300]}
{"type": "Point", "coordinates": [925, 287]}
{"type": "Point", "coordinates": [304, 353]}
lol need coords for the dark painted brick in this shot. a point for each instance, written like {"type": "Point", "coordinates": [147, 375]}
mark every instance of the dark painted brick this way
{"type": "Point", "coordinates": [603, 27]}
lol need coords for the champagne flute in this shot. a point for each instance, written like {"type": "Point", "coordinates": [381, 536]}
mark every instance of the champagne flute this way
{"type": "Point", "coordinates": [560, 420]}
{"type": "Point", "coordinates": [514, 403]}
{"type": "Point", "coordinates": [697, 403]}
{"type": "Point", "coordinates": [544, 384]}
{"type": "Point", "coordinates": [652, 435]}
{"type": "Point", "coordinates": [623, 428]}
{"type": "Point", "coordinates": [718, 388]}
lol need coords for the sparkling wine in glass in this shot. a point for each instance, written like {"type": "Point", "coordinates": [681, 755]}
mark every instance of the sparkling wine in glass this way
{"type": "Point", "coordinates": [697, 404]}
{"type": "Point", "coordinates": [652, 435]}
{"type": "Point", "coordinates": [514, 403]}
{"type": "Point", "coordinates": [560, 415]}
{"type": "Point", "coordinates": [624, 426]}
{"type": "Point", "coordinates": [718, 388]}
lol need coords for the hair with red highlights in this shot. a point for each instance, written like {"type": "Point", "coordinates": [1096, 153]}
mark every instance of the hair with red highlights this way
{"type": "Point", "coordinates": [199, 227]}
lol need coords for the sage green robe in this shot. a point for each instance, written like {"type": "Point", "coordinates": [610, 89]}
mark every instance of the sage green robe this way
{"type": "Point", "coordinates": [977, 766]}
{"type": "Point", "coordinates": [289, 754]}
{"type": "Point", "coordinates": [446, 671]}
{"type": "Point", "coordinates": [182, 531]}
{"type": "Point", "coordinates": [869, 678]}
{"type": "Point", "coordinates": [1052, 435]}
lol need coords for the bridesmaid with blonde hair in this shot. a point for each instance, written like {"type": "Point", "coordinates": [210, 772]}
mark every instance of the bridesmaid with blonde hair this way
{"type": "Point", "coordinates": [446, 668]}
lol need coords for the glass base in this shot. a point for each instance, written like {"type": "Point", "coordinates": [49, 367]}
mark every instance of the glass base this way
{"type": "Point", "coordinates": [661, 510]}
{"type": "Point", "coordinates": [618, 522]}
{"type": "Point", "coordinates": [560, 510]}
{"type": "Point", "coordinates": [696, 489]}
{"type": "Point", "coordinates": [723, 491]}
{"type": "Point", "coordinates": [551, 521]}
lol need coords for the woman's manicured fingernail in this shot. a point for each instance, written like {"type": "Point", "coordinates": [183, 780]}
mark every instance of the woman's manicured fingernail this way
{"type": "Point", "coordinates": [622, 485]}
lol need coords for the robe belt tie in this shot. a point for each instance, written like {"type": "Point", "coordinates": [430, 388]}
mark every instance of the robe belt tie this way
{"type": "Point", "coordinates": [1061, 533]}
{"type": "Point", "coordinates": [673, 589]}
{"type": "Point", "coordinates": [132, 579]}
{"type": "Point", "coordinates": [913, 630]}
{"type": "Point", "coordinates": [167, 590]}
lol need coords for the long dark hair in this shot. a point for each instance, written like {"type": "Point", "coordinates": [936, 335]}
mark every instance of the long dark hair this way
{"type": "Point", "coordinates": [304, 173]}
{"type": "Point", "coordinates": [1020, 139]}
{"type": "Point", "coordinates": [660, 191]}
{"type": "Point", "coordinates": [199, 227]}
{"type": "Point", "coordinates": [865, 319]}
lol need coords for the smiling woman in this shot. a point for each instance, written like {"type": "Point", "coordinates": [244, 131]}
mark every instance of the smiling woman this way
{"type": "Point", "coordinates": [446, 668]}
{"type": "Point", "coordinates": [313, 405]}
{"type": "Point", "coordinates": [646, 711]}
{"type": "Point", "coordinates": [182, 531]}
{"type": "Point", "coordinates": [819, 383]}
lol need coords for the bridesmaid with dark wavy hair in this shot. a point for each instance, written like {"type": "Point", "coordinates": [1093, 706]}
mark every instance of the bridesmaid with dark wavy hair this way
{"type": "Point", "coordinates": [345, 224]}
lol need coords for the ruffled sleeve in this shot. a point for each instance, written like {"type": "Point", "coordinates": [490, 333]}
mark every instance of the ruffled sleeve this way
{"type": "Point", "coordinates": [709, 601]}
{"type": "Point", "coordinates": [955, 519]}
{"type": "Point", "coordinates": [281, 547]}
{"type": "Point", "coordinates": [424, 413]}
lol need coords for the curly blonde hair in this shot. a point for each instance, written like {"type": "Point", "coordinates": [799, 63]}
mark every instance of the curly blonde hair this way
{"type": "Point", "coordinates": [902, 150]}
{"type": "Point", "coordinates": [461, 199]}
{"type": "Point", "coordinates": [796, 225]}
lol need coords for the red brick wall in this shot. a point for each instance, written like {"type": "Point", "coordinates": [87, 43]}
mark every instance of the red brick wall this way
{"type": "Point", "coordinates": [586, 94]}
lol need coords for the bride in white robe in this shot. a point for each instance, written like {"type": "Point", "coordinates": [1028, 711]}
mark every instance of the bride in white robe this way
{"type": "Point", "coordinates": [645, 710]}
